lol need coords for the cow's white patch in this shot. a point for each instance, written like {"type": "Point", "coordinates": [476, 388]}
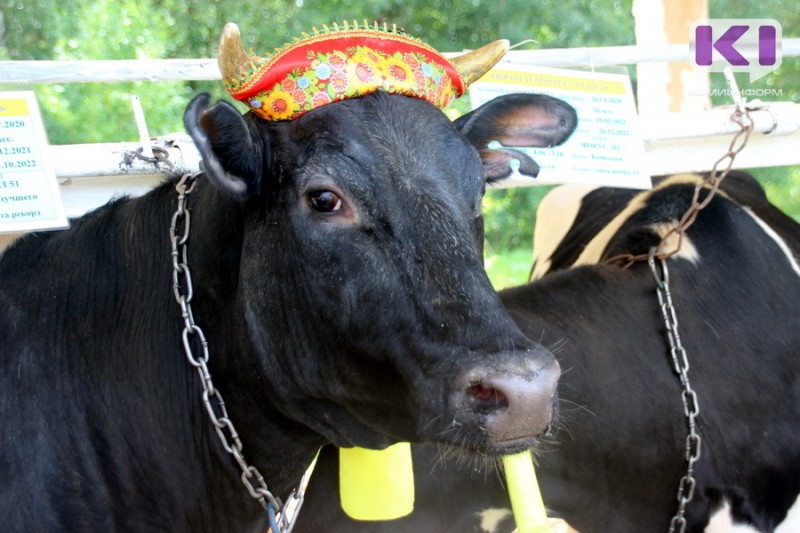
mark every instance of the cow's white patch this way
{"type": "Point", "coordinates": [686, 248]}
{"type": "Point", "coordinates": [778, 240]}
{"type": "Point", "coordinates": [492, 518]}
{"type": "Point", "coordinates": [791, 524]}
{"type": "Point", "coordinates": [7, 239]}
{"type": "Point", "coordinates": [554, 217]}
{"type": "Point", "coordinates": [722, 522]}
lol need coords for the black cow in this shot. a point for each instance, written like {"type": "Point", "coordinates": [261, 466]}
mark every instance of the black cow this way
{"type": "Point", "coordinates": [615, 458]}
{"type": "Point", "coordinates": [337, 280]}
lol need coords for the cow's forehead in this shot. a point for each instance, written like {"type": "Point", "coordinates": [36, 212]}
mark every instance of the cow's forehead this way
{"type": "Point", "coordinates": [393, 136]}
{"type": "Point", "coordinates": [389, 117]}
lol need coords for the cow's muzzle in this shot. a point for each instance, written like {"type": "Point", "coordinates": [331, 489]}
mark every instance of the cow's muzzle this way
{"type": "Point", "coordinates": [510, 400]}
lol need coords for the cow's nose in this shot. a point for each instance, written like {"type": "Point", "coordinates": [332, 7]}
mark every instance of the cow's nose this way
{"type": "Point", "coordinates": [513, 401]}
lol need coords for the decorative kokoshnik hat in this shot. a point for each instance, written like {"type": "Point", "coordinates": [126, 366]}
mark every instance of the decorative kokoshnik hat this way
{"type": "Point", "coordinates": [344, 62]}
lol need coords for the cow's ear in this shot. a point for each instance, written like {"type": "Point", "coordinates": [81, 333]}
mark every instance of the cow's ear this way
{"type": "Point", "coordinates": [232, 158]}
{"type": "Point", "coordinates": [516, 120]}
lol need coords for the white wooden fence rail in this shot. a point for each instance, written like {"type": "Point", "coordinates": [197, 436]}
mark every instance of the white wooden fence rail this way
{"type": "Point", "coordinates": [206, 69]}
{"type": "Point", "coordinates": [674, 142]}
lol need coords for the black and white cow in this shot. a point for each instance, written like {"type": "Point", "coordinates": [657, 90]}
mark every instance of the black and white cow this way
{"type": "Point", "coordinates": [614, 460]}
{"type": "Point", "coordinates": [338, 282]}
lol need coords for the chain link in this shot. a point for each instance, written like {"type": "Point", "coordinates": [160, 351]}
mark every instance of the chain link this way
{"type": "Point", "coordinates": [197, 353]}
{"type": "Point", "coordinates": [691, 407]}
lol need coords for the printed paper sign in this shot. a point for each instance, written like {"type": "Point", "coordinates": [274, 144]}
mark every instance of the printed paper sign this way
{"type": "Point", "coordinates": [605, 148]}
{"type": "Point", "coordinates": [29, 195]}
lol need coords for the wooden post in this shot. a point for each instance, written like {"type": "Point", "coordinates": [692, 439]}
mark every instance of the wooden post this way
{"type": "Point", "coordinates": [676, 86]}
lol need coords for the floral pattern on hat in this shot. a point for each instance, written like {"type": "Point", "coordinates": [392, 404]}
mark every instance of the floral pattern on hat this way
{"type": "Point", "coordinates": [339, 65]}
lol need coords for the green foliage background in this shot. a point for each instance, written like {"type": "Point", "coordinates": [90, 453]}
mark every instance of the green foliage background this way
{"type": "Point", "coordinates": [131, 29]}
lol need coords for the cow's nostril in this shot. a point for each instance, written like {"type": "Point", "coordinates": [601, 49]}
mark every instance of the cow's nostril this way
{"type": "Point", "coordinates": [509, 400]}
{"type": "Point", "coordinates": [488, 398]}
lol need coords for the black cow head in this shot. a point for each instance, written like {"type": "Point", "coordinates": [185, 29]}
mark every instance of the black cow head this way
{"type": "Point", "coordinates": [368, 312]}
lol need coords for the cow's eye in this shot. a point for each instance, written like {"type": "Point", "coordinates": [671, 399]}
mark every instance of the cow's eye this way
{"type": "Point", "coordinates": [324, 201]}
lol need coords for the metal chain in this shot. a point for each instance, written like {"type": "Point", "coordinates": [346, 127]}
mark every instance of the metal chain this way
{"type": "Point", "coordinates": [691, 407]}
{"type": "Point", "coordinates": [196, 348]}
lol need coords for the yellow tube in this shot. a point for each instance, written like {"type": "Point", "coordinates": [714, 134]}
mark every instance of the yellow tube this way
{"type": "Point", "coordinates": [376, 484]}
{"type": "Point", "coordinates": [523, 489]}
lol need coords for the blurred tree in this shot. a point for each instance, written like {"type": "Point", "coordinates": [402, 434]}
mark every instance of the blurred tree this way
{"type": "Point", "coordinates": [130, 29]}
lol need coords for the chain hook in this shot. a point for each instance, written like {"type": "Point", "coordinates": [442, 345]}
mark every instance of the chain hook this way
{"type": "Point", "coordinates": [160, 155]}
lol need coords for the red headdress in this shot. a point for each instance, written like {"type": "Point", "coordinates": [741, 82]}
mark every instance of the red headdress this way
{"type": "Point", "coordinates": [346, 62]}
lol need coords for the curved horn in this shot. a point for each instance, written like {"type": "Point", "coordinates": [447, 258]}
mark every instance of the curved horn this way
{"type": "Point", "coordinates": [476, 63]}
{"type": "Point", "coordinates": [233, 61]}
